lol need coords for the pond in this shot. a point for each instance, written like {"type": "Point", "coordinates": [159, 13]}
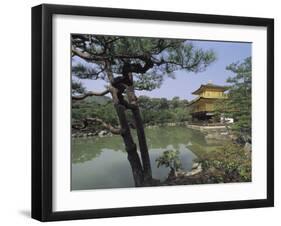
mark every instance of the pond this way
{"type": "Point", "coordinates": [101, 162]}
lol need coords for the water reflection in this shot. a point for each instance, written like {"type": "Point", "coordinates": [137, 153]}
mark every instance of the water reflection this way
{"type": "Point", "coordinates": [102, 162]}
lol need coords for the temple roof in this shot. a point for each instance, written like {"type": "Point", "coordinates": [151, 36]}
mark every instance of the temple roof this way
{"type": "Point", "coordinates": [209, 86]}
{"type": "Point", "coordinates": [197, 100]}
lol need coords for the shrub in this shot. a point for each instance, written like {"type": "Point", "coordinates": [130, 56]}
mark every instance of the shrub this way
{"type": "Point", "coordinates": [228, 164]}
{"type": "Point", "coordinates": [170, 158]}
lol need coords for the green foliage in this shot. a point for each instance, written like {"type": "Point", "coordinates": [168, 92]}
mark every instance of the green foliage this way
{"type": "Point", "coordinates": [164, 56]}
{"type": "Point", "coordinates": [169, 158]}
{"type": "Point", "coordinates": [77, 87]}
{"type": "Point", "coordinates": [238, 105]}
{"type": "Point", "coordinates": [148, 81]}
{"type": "Point", "coordinates": [177, 54]}
{"type": "Point", "coordinates": [154, 110]}
{"type": "Point", "coordinates": [161, 110]}
{"type": "Point", "coordinates": [229, 163]}
{"type": "Point", "coordinates": [100, 107]}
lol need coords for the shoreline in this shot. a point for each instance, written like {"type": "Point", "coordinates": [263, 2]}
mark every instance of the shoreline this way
{"type": "Point", "coordinates": [212, 133]}
{"type": "Point", "coordinates": [104, 133]}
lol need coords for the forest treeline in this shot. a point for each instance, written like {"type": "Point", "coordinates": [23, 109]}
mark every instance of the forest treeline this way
{"type": "Point", "coordinates": [154, 111]}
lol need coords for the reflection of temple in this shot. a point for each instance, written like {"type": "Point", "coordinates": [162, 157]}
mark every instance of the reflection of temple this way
{"type": "Point", "coordinates": [202, 108]}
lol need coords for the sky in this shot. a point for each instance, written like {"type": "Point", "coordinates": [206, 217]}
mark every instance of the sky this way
{"type": "Point", "coordinates": [187, 82]}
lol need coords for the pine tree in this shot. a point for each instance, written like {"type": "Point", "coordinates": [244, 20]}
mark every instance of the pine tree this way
{"type": "Point", "coordinates": [238, 105]}
{"type": "Point", "coordinates": [128, 64]}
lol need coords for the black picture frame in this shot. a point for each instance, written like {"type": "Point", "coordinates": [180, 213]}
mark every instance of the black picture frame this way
{"type": "Point", "coordinates": [42, 111]}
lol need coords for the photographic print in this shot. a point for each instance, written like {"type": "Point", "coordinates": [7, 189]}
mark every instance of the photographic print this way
{"type": "Point", "coordinates": [159, 112]}
{"type": "Point", "coordinates": [139, 112]}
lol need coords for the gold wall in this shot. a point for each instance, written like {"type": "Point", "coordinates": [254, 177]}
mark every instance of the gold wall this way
{"type": "Point", "coordinates": [207, 104]}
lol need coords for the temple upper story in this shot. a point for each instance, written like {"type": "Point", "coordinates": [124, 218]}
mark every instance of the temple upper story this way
{"type": "Point", "coordinates": [203, 106]}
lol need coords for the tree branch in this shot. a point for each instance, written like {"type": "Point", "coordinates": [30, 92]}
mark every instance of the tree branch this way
{"type": "Point", "coordinates": [107, 126]}
{"type": "Point", "coordinates": [87, 56]}
{"type": "Point", "coordinates": [191, 67]}
{"type": "Point", "coordinates": [89, 74]}
{"type": "Point", "coordinates": [138, 68]}
{"type": "Point", "coordinates": [88, 94]}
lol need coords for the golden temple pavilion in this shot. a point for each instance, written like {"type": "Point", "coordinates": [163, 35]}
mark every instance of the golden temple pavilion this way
{"type": "Point", "coordinates": [202, 107]}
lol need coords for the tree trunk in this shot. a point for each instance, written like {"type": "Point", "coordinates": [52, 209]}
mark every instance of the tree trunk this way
{"type": "Point", "coordinates": [141, 134]}
{"type": "Point", "coordinates": [131, 147]}
{"type": "Point", "coordinates": [143, 145]}
{"type": "Point", "coordinates": [142, 174]}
